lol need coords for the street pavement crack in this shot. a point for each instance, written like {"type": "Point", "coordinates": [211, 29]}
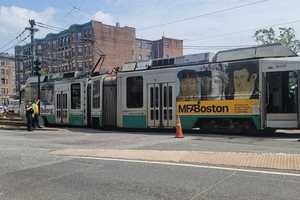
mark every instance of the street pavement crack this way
{"type": "Point", "coordinates": [211, 187]}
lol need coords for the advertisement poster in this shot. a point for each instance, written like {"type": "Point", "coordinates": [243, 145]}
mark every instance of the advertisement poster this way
{"type": "Point", "coordinates": [219, 88]}
{"type": "Point", "coordinates": [218, 107]}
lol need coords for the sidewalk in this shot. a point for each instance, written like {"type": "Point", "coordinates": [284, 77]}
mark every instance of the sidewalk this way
{"type": "Point", "coordinates": [278, 161]}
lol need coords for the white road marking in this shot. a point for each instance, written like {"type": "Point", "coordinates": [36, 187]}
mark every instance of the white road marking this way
{"type": "Point", "coordinates": [191, 165]}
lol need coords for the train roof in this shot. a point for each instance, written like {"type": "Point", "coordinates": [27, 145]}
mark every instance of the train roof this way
{"type": "Point", "coordinates": [255, 52]}
{"type": "Point", "coordinates": [70, 76]}
{"type": "Point", "coordinates": [262, 51]}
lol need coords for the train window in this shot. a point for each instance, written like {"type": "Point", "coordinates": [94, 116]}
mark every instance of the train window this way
{"type": "Point", "coordinates": [47, 94]}
{"type": "Point", "coordinates": [152, 115]}
{"type": "Point", "coordinates": [75, 96]}
{"type": "Point", "coordinates": [96, 94]}
{"type": "Point", "coordinates": [165, 96]}
{"type": "Point", "coordinates": [170, 115]}
{"type": "Point", "coordinates": [58, 101]}
{"type": "Point", "coordinates": [156, 97]}
{"type": "Point", "coordinates": [65, 99]}
{"type": "Point", "coordinates": [282, 92]}
{"type": "Point", "coordinates": [170, 96]}
{"type": "Point", "coordinates": [151, 97]}
{"type": "Point", "coordinates": [134, 92]}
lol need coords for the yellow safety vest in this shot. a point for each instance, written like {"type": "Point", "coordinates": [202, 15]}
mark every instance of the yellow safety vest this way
{"type": "Point", "coordinates": [35, 108]}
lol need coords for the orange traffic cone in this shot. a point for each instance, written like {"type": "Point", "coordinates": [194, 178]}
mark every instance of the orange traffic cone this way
{"type": "Point", "coordinates": [179, 133]}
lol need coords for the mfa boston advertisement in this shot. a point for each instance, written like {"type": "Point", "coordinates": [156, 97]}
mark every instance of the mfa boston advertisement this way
{"type": "Point", "coordinates": [219, 88]}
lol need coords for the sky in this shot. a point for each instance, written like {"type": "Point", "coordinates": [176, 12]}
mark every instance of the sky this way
{"type": "Point", "coordinates": [151, 18]}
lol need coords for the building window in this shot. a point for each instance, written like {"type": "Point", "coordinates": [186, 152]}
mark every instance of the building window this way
{"type": "Point", "coordinates": [134, 92]}
{"type": "Point", "coordinates": [140, 57]}
{"type": "Point", "coordinates": [79, 50]}
{"type": "Point", "coordinates": [96, 94]}
{"type": "Point", "coordinates": [166, 44]}
{"type": "Point", "coordinates": [80, 66]}
{"type": "Point", "coordinates": [75, 96]}
{"type": "Point", "coordinates": [78, 36]}
{"type": "Point", "coordinates": [149, 45]}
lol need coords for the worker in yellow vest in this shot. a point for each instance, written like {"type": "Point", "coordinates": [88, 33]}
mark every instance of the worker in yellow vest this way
{"type": "Point", "coordinates": [36, 113]}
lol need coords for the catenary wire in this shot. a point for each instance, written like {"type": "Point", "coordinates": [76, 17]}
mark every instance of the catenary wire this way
{"type": "Point", "coordinates": [13, 40]}
{"type": "Point", "coordinates": [19, 42]}
{"type": "Point", "coordinates": [203, 15]}
{"type": "Point", "coordinates": [206, 38]}
{"type": "Point", "coordinates": [50, 26]}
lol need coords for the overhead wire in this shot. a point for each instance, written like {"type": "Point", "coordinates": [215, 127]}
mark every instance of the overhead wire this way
{"type": "Point", "coordinates": [214, 46]}
{"type": "Point", "coordinates": [206, 38]}
{"type": "Point", "coordinates": [51, 29]}
{"type": "Point", "coordinates": [13, 40]}
{"type": "Point", "coordinates": [203, 15]}
{"type": "Point", "coordinates": [19, 42]}
{"type": "Point", "coordinates": [49, 26]}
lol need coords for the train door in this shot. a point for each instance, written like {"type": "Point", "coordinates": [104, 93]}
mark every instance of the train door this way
{"type": "Point", "coordinates": [109, 103]}
{"type": "Point", "coordinates": [281, 99]}
{"type": "Point", "coordinates": [61, 107]}
{"type": "Point", "coordinates": [161, 105]}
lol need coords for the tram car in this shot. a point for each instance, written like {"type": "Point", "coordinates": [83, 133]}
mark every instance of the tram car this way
{"type": "Point", "coordinates": [249, 88]}
{"type": "Point", "coordinates": [63, 98]}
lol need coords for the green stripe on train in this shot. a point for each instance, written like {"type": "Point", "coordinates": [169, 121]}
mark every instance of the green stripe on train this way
{"type": "Point", "coordinates": [188, 122]}
{"type": "Point", "coordinates": [96, 121]}
{"type": "Point", "coordinates": [134, 121]}
{"type": "Point", "coordinates": [50, 119]}
{"type": "Point", "coordinates": [76, 119]}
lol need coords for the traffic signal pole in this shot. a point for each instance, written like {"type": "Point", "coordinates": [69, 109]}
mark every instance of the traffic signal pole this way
{"type": "Point", "coordinates": [39, 92]}
{"type": "Point", "coordinates": [37, 72]}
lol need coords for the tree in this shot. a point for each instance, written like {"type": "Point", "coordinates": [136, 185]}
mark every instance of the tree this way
{"type": "Point", "coordinates": [286, 36]}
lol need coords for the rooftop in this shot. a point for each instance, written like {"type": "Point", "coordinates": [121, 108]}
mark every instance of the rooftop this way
{"type": "Point", "coordinates": [6, 56]}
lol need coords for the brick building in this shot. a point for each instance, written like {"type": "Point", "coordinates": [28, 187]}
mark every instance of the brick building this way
{"type": "Point", "coordinates": [7, 78]}
{"type": "Point", "coordinates": [79, 48]}
{"type": "Point", "coordinates": [163, 48]}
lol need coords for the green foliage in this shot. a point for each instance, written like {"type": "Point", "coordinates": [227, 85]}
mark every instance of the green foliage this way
{"type": "Point", "coordinates": [286, 37]}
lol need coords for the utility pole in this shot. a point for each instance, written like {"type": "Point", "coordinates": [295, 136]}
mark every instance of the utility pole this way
{"type": "Point", "coordinates": [32, 30]}
{"type": "Point", "coordinates": [35, 63]}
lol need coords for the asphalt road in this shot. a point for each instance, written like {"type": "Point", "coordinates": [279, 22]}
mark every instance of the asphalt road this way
{"type": "Point", "coordinates": [28, 171]}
